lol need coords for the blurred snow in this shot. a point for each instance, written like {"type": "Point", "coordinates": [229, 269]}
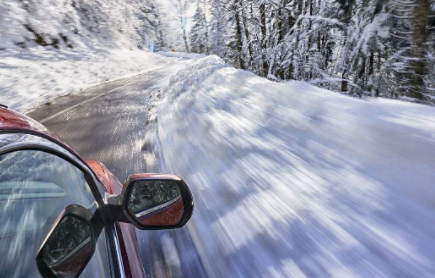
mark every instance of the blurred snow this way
{"type": "Point", "coordinates": [183, 55]}
{"type": "Point", "coordinates": [65, 23]}
{"type": "Point", "coordinates": [29, 78]}
{"type": "Point", "coordinates": [290, 180]}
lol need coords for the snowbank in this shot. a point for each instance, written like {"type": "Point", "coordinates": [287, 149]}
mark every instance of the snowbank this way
{"type": "Point", "coordinates": [183, 55]}
{"type": "Point", "coordinates": [29, 78]}
{"type": "Point", "coordinates": [290, 180]}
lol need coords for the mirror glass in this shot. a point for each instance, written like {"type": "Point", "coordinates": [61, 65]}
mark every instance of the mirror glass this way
{"type": "Point", "coordinates": [68, 248]}
{"type": "Point", "coordinates": [156, 202]}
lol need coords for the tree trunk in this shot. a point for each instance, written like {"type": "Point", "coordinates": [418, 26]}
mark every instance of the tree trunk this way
{"type": "Point", "coordinates": [278, 19]}
{"type": "Point", "coordinates": [362, 70]}
{"type": "Point", "coordinates": [247, 37]}
{"type": "Point", "coordinates": [344, 82]}
{"type": "Point", "coordinates": [371, 70]}
{"type": "Point", "coordinates": [421, 18]}
{"type": "Point", "coordinates": [298, 25]}
{"type": "Point", "coordinates": [185, 38]}
{"type": "Point", "coordinates": [262, 10]}
{"type": "Point", "coordinates": [344, 86]}
{"type": "Point", "coordinates": [239, 40]}
{"type": "Point", "coordinates": [310, 26]}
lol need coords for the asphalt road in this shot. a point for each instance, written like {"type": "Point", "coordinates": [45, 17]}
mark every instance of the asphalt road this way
{"type": "Point", "coordinates": [108, 123]}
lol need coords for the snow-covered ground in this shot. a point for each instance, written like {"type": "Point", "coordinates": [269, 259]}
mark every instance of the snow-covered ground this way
{"type": "Point", "coordinates": [29, 78]}
{"type": "Point", "coordinates": [290, 180]}
{"type": "Point", "coordinates": [182, 55]}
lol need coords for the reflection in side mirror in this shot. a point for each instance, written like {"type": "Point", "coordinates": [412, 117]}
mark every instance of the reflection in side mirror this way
{"type": "Point", "coordinates": [153, 202]}
{"type": "Point", "coordinates": [69, 246]}
{"type": "Point", "coordinates": [156, 202]}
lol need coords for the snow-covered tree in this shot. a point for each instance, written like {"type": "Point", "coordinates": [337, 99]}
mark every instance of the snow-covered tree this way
{"type": "Point", "coordinates": [72, 23]}
{"type": "Point", "coordinates": [151, 29]}
{"type": "Point", "coordinates": [199, 32]}
{"type": "Point", "coordinates": [182, 8]}
{"type": "Point", "coordinates": [217, 29]}
{"type": "Point", "coordinates": [381, 48]}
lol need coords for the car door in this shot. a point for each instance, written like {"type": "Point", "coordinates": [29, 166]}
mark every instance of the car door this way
{"type": "Point", "coordinates": [38, 179]}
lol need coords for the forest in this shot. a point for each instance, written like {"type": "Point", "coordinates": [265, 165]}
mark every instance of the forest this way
{"type": "Point", "coordinates": [361, 48]}
{"type": "Point", "coordinates": [378, 48]}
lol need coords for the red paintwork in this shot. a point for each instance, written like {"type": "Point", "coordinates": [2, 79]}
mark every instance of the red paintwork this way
{"type": "Point", "coordinates": [170, 215]}
{"type": "Point", "coordinates": [13, 120]}
{"type": "Point", "coordinates": [10, 120]}
{"type": "Point", "coordinates": [110, 182]}
{"type": "Point", "coordinates": [126, 232]}
{"type": "Point", "coordinates": [130, 254]}
{"type": "Point", "coordinates": [163, 217]}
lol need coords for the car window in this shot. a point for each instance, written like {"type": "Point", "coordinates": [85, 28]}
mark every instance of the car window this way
{"type": "Point", "coordinates": [35, 187]}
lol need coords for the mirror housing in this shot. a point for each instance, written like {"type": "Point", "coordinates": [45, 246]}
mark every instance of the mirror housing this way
{"type": "Point", "coordinates": [69, 245]}
{"type": "Point", "coordinates": [153, 202]}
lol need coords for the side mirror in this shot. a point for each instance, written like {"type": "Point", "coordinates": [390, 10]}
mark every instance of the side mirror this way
{"type": "Point", "coordinates": [153, 202]}
{"type": "Point", "coordinates": [70, 244]}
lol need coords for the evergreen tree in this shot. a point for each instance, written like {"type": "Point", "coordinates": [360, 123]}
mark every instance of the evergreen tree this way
{"type": "Point", "coordinates": [183, 6]}
{"type": "Point", "coordinates": [217, 29]}
{"type": "Point", "coordinates": [198, 33]}
{"type": "Point", "coordinates": [381, 48]}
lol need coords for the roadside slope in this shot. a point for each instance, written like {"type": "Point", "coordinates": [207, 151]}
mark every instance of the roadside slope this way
{"type": "Point", "coordinates": [29, 78]}
{"type": "Point", "coordinates": [290, 180]}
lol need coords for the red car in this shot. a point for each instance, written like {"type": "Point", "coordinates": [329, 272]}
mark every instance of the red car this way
{"type": "Point", "coordinates": [62, 216]}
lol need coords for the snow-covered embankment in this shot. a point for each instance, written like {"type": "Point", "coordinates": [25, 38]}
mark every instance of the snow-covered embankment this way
{"type": "Point", "coordinates": [29, 78]}
{"type": "Point", "coordinates": [292, 180]}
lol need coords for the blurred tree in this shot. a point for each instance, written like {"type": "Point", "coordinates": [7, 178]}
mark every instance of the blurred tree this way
{"type": "Point", "coordinates": [380, 48]}
{"type": "Point", "coordinates": [182, 7]}
{"type": "Point", "coordinates": [198, 33]}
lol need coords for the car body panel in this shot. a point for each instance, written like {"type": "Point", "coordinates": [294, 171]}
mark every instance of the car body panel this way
{"type": "Point", "coordinates": [110, 182]}
{"type": "Point", "coordinates": [133, 266]}
{"type": "Point", "coordinates": [11, 121]}
{"type": "Point", "coordinates": [126, 232]}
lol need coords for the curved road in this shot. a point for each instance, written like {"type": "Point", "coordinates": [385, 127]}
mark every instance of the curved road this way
{"type": "Point", "coordinates": [108, 123]}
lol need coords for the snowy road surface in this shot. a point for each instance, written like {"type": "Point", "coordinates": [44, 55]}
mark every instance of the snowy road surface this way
{"type": "Point", "coordinates": [113, 120]}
